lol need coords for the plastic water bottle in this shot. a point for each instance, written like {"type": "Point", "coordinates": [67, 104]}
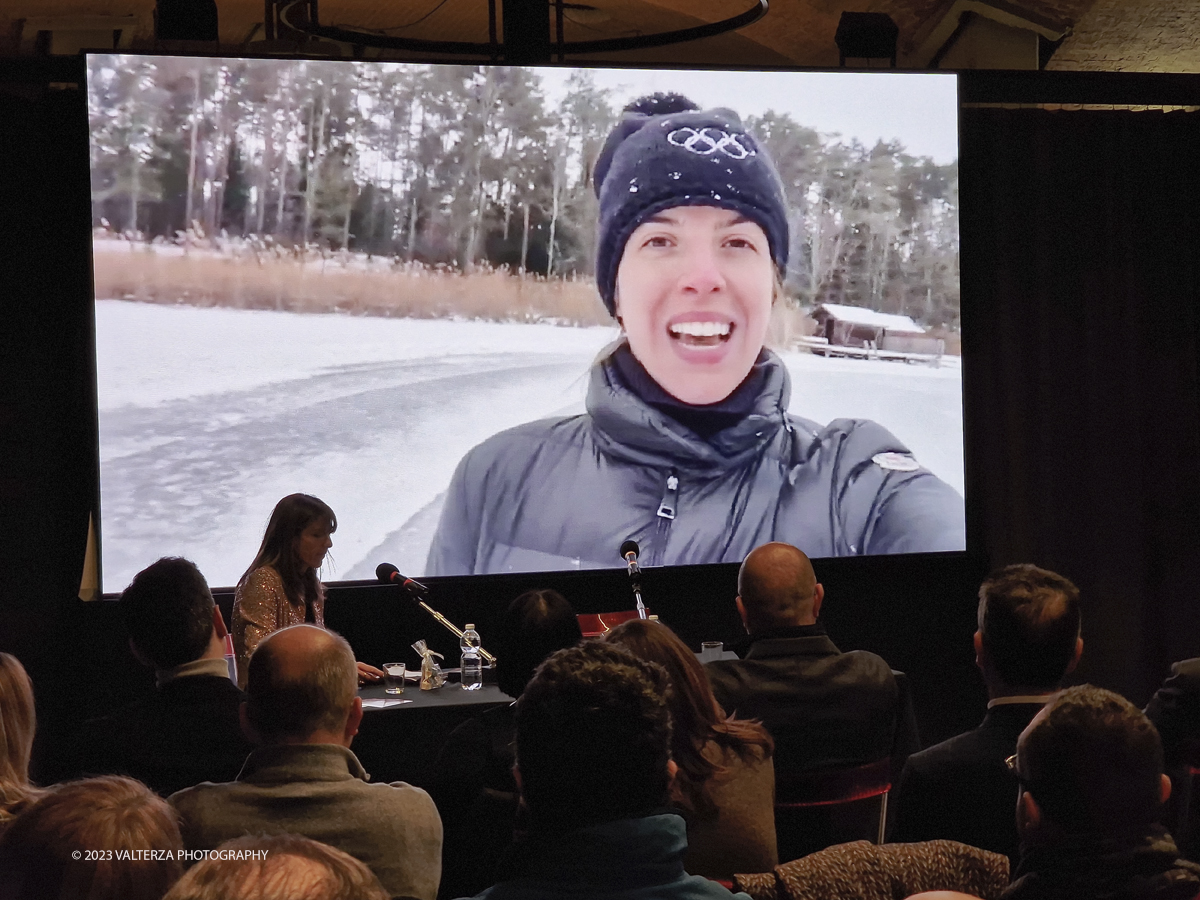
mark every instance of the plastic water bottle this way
{"type": "Point", "coordinates": [471, 665]}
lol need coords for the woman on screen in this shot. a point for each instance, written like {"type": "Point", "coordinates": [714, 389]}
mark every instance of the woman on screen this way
{"type": "Point", "coordinates": [687, 446]}
{"type": "Point", "coordinates": [281, 587]}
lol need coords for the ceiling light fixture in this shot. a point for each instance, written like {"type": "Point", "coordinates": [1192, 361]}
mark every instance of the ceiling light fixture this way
{"type": "Point", "coordinates": [526, 26]}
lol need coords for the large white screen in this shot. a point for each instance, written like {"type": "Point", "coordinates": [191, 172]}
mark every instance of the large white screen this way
{"type": "Point", "coordinates": [338, 278]}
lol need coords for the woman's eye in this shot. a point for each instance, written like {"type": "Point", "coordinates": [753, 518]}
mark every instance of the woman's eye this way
{"type": "Point", "coordinates": [740, 243]}
{"type": "Point", "coordinates": [657, 240]}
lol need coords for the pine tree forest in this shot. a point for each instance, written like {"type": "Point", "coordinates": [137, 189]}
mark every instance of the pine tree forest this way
{"type": "Point", "coordinates": [224, 176]}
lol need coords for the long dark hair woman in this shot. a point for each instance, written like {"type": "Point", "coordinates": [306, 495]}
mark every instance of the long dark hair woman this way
{"type": "Point", "coordinates": [725, 786]}
{"type": "Point", "coordinates": [281, 587]}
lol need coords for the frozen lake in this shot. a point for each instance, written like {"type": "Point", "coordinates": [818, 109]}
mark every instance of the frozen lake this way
{"type": "Point", "coordinates": [208, 416]}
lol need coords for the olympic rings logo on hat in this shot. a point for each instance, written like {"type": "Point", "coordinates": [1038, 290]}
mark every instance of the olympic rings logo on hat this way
{"type": "Point", "coordinates": [709, 140]}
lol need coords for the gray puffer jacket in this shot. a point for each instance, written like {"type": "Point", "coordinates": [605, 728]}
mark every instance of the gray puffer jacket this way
{"type": "Point", "coordinates": [565, 493]}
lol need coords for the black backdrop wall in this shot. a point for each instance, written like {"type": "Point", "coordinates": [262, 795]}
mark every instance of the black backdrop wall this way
{"type": "Point", "coordinates": [1080, 248]}
{"type": "Point", "coordinates": [1081, 295]}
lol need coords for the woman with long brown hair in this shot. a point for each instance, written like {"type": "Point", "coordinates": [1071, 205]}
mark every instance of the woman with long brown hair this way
{"type": "Point", "coordinates": [281, 587]}
{"type": "Point", "coordinates": [725, 786]}
{"type": "Point", "coordinates": [18, 721]}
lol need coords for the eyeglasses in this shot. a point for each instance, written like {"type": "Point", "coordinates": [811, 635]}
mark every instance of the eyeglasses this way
{"type": "Point", "coordinates": [1011, 763]}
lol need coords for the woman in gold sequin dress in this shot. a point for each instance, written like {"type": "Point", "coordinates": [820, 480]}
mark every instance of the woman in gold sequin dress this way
{"type": "Point", "coordinates": [281, 587]}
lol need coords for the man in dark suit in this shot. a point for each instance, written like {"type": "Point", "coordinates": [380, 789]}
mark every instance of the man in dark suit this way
{"type": "Point", "coordinates": [1089, 806]}
{"type": "Point", "coordinates": [188, 730]}
{"type": "Point", "coordinates": [823, 707]}
{"type": "Point", "coordinates": [1175, 711]}
{"type": "Point", "coordinates": [1028, 641]}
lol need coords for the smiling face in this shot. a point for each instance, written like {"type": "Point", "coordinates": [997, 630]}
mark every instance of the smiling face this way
{"type": "Point", "coordinates": [694, 291]}
{"type": "Point", "coordinates": [313, 543]}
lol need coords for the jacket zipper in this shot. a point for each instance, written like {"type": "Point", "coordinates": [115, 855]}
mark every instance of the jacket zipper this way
{"type": "Point", "coordinates": [666, 515]}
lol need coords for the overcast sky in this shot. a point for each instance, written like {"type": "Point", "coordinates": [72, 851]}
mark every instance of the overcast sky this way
{"type": "Point", "coordinates": [921, 110]}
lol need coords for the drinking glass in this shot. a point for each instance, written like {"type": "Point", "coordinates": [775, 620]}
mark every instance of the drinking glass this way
{"type": "Point", "coordinates": [395, 677]}
{"type": "Point", "coordinates": [710, 651]}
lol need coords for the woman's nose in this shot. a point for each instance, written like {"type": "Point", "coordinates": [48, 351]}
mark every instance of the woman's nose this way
{"type": "Point", "coordinates": [702, 272]}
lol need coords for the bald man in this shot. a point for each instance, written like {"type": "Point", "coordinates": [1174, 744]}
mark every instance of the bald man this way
{"type": "Point", "coordinates": [823, 707]}
{"type": "Point", "coordinates": [303, 712]}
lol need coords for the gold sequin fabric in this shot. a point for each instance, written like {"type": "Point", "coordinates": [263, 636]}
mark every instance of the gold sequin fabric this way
{"type": "Point", "coordinates": [261, 606]}
{"type": "Point", "coordinates": [865, 871]}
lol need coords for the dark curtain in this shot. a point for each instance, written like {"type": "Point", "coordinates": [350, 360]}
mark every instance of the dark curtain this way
{"type": "Point", "coordinates": [1081, 281]}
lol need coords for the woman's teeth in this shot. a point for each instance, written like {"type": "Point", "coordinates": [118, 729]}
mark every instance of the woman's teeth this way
{"type": "Point", "coordinates": [701, 332]}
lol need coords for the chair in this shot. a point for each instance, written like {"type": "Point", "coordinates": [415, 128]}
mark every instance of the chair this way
{"type": "Point", "coordinates": [599, 624]}
{"type": "Point", "coordinates": [814, 810]}
{"type": "Point", "coordinates": [1185, 826]}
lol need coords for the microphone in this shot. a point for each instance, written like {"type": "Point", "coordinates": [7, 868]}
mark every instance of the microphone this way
{"type": "Point", "coordinates": [389, 574]}
{"type": "Point", "coordinates": [629, 553]}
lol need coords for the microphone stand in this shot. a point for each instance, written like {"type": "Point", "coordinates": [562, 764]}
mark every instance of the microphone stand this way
{"type": "Point", "coordinates": [445, 623]}
{"type": "Point", "coordinates": [635, 574]}
{"type": "Point", "coordinates": [455, 630]}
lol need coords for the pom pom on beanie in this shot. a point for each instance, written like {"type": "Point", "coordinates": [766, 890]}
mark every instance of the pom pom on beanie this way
{"type": "Point", "coordinates": [666, 152]}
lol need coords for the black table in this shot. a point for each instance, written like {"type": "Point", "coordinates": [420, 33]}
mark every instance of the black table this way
{"type": "Point", "coordinates": [401, 743]}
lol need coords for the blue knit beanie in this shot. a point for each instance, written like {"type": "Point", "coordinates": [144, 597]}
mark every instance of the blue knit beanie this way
{"type": "Point", "coordinates": [666, 152]}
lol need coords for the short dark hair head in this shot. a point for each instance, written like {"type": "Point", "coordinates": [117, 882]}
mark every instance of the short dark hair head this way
{"type": "Point", "coordinates": [1093, 762]}
{"type": "Point", "coordinates": [535, 625]}
{"type": "Point", "coordinates": [291, 867]}
{"type": "Point", "coordinates": [42, 853]}
{"type": "Point", "coordinates": [168, 612]}
{"type": "Point", "coordinates": [593, 737]}
{"type": "Point", "coordinates": [301, 680]}
{"type": "Point", "coordinates": [1029, 623]}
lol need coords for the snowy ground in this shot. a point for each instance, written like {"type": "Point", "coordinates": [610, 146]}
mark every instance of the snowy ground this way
{"type": "Point", "coordinates": [208, 416]}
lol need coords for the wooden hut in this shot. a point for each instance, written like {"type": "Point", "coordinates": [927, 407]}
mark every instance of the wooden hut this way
{"type": "Point", "coordinates": [866, 329]}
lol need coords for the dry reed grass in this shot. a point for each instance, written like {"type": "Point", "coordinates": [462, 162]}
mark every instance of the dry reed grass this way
{"type": "Point", "coordinates": [251, 280]}
{"type": "Point", "coordinates": [283, 283]}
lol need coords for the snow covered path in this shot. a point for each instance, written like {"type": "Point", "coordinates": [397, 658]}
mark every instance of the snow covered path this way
{"type": "Point", "coordinates": [208, 416]}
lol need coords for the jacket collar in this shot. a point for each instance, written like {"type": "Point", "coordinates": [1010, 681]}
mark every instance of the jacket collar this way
{"type": "Point", "coordinates": [1143, 863]}
{"type": "Point", "coordinates": [769, 646]}
{"type": "Point", "coordinates": [280, 763]}
{"type": "Point", "coordinates": [217, 667]}
{"type": "Point", "coordinates": [628, 428]}
{"type": "Point", "coordinates": [621, 853]}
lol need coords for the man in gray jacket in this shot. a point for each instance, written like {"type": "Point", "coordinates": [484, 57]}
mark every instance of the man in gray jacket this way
{"type": "Point", "coordinates": [303, 711]}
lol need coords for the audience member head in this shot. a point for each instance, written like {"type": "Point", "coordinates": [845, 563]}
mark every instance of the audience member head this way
{"type": "Point", "coordinates": [777, 588]}
{"type": "Point", "coordinates": [593, 738]}
{"type": "Point", "coordinates": [696, 717]}
{"type": "Point", "coordinates": [535, 625]}
{"type": "Point", "coordinates": [303, 689]}
{"type": "Point", "coordinates": [1091, 763]}
{"type": "Point", "coordinates": [287, 867]}
{"type": "Point", "coordinates": [18, 721]}
{"type": "Point", "coordinates": [1028, 638]}
{"type": "Point", "coordinates": [43, 854]}
{"type": "Point", "coordinates": [295, 542]}
{"type": "Point", "coordinates": [170, 614]}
